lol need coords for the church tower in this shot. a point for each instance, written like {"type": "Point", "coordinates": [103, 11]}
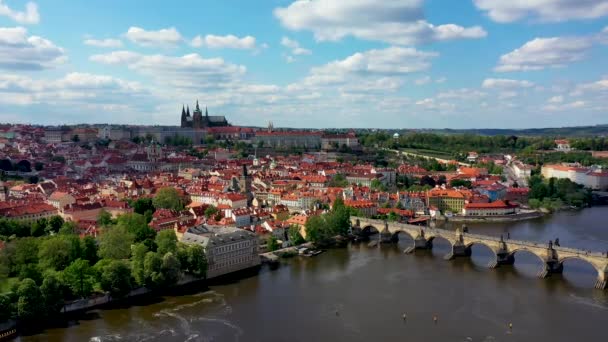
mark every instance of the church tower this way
{"type": "Point", "coordinates": [184, 120]}
{"type": "Point", "coordinates": [245, 185]}
{"type": "Point", "coordinates": [197, 119]}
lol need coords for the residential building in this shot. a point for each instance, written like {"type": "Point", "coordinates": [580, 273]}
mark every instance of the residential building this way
{"type": "Point", "coordinates": [446, 200]}
{"type": "Point", "coordinates": [497, 208]}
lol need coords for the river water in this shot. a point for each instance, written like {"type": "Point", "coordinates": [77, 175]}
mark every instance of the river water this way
{"type": "Point", "coordinates": [361, 293]}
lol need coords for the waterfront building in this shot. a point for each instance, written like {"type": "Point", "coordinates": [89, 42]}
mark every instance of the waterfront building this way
{"type": "Point", "coordinates": [497, 208]}
{"type": "Point", "coordinates": [445, 200]}
{"type": "Point", "coordinates": [228, 249]}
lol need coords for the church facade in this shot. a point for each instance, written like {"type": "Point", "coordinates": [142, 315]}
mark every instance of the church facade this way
{"type": "Point", "coordinates": [199, 121]}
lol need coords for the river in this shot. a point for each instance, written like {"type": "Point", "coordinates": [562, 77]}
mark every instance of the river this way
{"type": "Point", "coordinates": [360, 293]}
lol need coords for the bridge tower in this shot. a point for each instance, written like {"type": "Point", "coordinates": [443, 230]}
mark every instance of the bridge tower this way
{"type": "Point", "coordinates": [552, 264]}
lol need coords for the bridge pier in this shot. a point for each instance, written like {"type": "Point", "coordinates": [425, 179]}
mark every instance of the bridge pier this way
{"type": "Point", "coordinates": [602, 281]}
{"type": "Point", "coordinates": [502, 258]}
{"type": "Point", "coordinates": [421, 243]}
{"type": "Point", "coordinates": [458, 250]}
{"type": "Point", "coordinates": [386, 237]}
{"type": "Point", "coordinates": [552, 266]}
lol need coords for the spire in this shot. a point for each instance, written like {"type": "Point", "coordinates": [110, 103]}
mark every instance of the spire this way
{"type": "Point", "coordinates": [197, 107]}
{"type": "Point", "coordinates": [187, 110]}
{"type": "Point", "coordinates": [206, 112]}
{"type": "Point", "coordinates": [183, 110]}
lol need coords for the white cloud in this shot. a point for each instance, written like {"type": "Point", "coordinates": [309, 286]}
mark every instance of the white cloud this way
{"type": "Point", "coordinates": [541, 53]}
{"type": "Point", "coordinates": [73, 88]}
{"type": "Point", "coordinates": [423, 80]}
{"type": "Point", "coordinates": [29, 16]}
{"type": "Point", "coordinates": [188, 71]}
{"type": "Point", "coordinates": [556, 99]}
{"type": "Point", "coordinates": [163, 37]}
{"type": "Point", "coordinates": [18, 51]}
{"type": "Point", "coordinates": [503, 83]}
{"type": "Point", "coordinates": [399, 22]}
{"type": "Point", "coordinates": [441, 80]}
{"type": "Point", "coordinates": [565, 106]}
{"type": "Point", "coordinates": [104, 43]}
{"type": "Point", "coordinates": [225, 42]}
{"type": "Point", "coordinates": [295, 47]}
{"type": "Point", "coordinates": [545, 10]}
{"type": "Point", "coordinates": [289, 59]}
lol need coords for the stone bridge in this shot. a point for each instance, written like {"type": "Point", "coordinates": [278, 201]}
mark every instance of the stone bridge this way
{"type": "Point", "coordinates": [552, 256]}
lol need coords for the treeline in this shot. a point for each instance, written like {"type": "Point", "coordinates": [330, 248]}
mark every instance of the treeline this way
{"type": "Point", "coordinates": [553, 193]}
{"type": "Point", "coordinates": [48, 270]}
{"type": "Point", "coordinates": [319, 229]}
{"type": "Point", "coordinates": [463, 143]}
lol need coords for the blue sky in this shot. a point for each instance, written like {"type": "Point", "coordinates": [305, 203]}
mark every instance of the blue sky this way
{"type": "Point", "coordinates": [300, 63]}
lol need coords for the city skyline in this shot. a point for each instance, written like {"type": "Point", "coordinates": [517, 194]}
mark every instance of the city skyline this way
{"type": "Point", "coordinates": [315, 64]}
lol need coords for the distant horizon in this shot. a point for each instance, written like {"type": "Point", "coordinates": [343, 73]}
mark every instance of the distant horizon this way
{"type": "Point", "coordinates": [325, 128]}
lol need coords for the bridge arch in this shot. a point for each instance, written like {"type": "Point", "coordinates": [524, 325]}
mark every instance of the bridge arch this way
{"type": "Point", "coordinates": [470, 244]}
{"type": "Point", "coordinates": [600, 270]}
{"type": "Point", "coordinates": [432, 238]}
{"type": "Point", "coordinates": [395, 234]}
{"type": "Point", "coordinates": [370, 230]}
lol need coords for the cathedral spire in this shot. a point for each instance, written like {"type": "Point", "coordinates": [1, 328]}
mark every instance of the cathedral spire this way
{"type": "Point", "coordinates": [183, 110]}
{"type": "Point", "coordinates": [187, 110]}
{"type": "Point", "coordinates": [206, 112]}
{"type": "Point", "coordinates": [197, 107]}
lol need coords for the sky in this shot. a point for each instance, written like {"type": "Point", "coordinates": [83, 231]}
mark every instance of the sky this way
{"type": "Point", "coordinates": [307, 63]}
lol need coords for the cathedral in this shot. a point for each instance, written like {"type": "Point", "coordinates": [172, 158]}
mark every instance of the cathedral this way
{"type": "Point", "coordinates": [199, 121]}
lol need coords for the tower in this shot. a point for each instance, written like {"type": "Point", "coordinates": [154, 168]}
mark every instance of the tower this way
{"type": "Point", "coordinates": [184, 119]}
{"type": "Point", "coordinates": [197, 117]}
{"type": "Point", "coordinates": [245, 184]}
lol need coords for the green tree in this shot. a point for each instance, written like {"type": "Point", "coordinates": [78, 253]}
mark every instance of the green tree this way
{"type": "Point", "coordinates": [68, 228]}
{"type": "Point", "coordinates": [272, 243]}
{"type": "Point", "coordinates": [31, 271]}
{"type": "Point", "coordinates": [170, 268]}
{"type": "Point", "coordinates": [197, 260]}
{"type": "Point", "coordinates": [52, 290]}
{"type": "Point", "coordinates": [55, 253]}
{"type": "Point", "coordinates": [138, 256]}
{"type": "Point", "coordinates": [104, 218]}
{"type": "Point", "coordinates": [168, 198]}
{"type": "Point", "coordinates": [89, 249]}
{"type": "Point", "coordinates": [166, 242]}
{"type": "Point", "coordinates": [54, 224]}
{"type": "Point", "coordinates": [80, 277]}
{"type": "Point", "coordinates": [136, 225]}
{"type": "Point", "coordinates": [116, 278]}
{"type": "Point", "coordinates": [115, 243]}
{"type": "Point", "coordinates": [294, 236]}
{"type": "Point", "coordinates": [38, 227]}
{"type": "Point", "coordinates": [315, 229]}
{"type": "Point", "coordinates": [153, 273]}
{"type": "Point", "coordinates": [26, 251]}
{"type": "Point", "coordinates": [142, 205]}
{"type": "Point", "coordinates": [210, 211]}
{"type": "Point", "coordinates": [6, 307]}
{"type": "Point", "coordinates": [30, 303]}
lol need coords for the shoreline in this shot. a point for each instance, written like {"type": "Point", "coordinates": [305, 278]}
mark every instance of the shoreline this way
{"type": "Point", "coordinates": [495, 219]}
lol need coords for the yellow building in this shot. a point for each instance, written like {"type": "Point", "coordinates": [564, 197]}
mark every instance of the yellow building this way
{"type": "Point", "coordinates": [446, 200]}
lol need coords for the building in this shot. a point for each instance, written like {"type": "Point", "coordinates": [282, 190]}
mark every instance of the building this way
{"type": "Point", "coordinates": [521, 170]}
{"type": "Point", "coordinates": [592, 178]}
{"type": "Point", "coordinates": [228, 249]}
{"type": "Point", "coordinates": [445, 200]}
{"type": "Point", "coordinates": [337, 141]}
{"type": "Point", "coordinates": [198, 121]}
{"type": "Point", "coordinates": [29, 212]}
{"type": "Point", "coordinates": [60, 199]}
{"type": "Point", "coordinates": [562, 145]}
{"type": "Point", "coordinates": [497, 208]}
{"type": "Point", "coordinates": [287, 139]}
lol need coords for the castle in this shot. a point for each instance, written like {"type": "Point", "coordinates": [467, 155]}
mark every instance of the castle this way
{"type": "Point", "coordinates": [198, 121]}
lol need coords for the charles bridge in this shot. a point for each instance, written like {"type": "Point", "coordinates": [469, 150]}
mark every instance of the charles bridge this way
{"type": "Point", "coordinates": [552, 256]}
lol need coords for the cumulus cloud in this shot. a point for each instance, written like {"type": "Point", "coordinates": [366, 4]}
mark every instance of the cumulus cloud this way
{"type": "Point", "coordinates": [541, 53]}
{"type": "Point", "coordinates": [188, 71]}
{"type": "Point", "coordinates": [29, 16]}
{"type": "Point", "coordinates": [163, 37]}
{"type": "Point", "coordinates": [503, 83]}
{"type": "Point", "coordinates": [225, 42]}
{"type": "Point", "coordinates": [104, 43]}
{"type": "Point", "coordinates": [18, 51]}
{"type": "Point", "coordinates": [399, 22]}
{"type": "Point", "coordinates": [295, 47]}
{"type": "Point", "coordinates": [423, 80]}
{"type": "Point", "coordinates": [544, 10]}
{"type": "Point", "coordinates": [72, 88]}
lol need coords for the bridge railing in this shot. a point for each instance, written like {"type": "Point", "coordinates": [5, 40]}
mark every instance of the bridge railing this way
{"type": "Point", "coordinates": [482, 237]}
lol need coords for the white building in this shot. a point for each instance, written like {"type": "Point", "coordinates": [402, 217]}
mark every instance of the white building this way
{"type": "Point", "coordinates": [592, 178]}
{"type": "Point", "coordinates": [228, 249]}
{"type": "Point", "coordinates": [522, 170]}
